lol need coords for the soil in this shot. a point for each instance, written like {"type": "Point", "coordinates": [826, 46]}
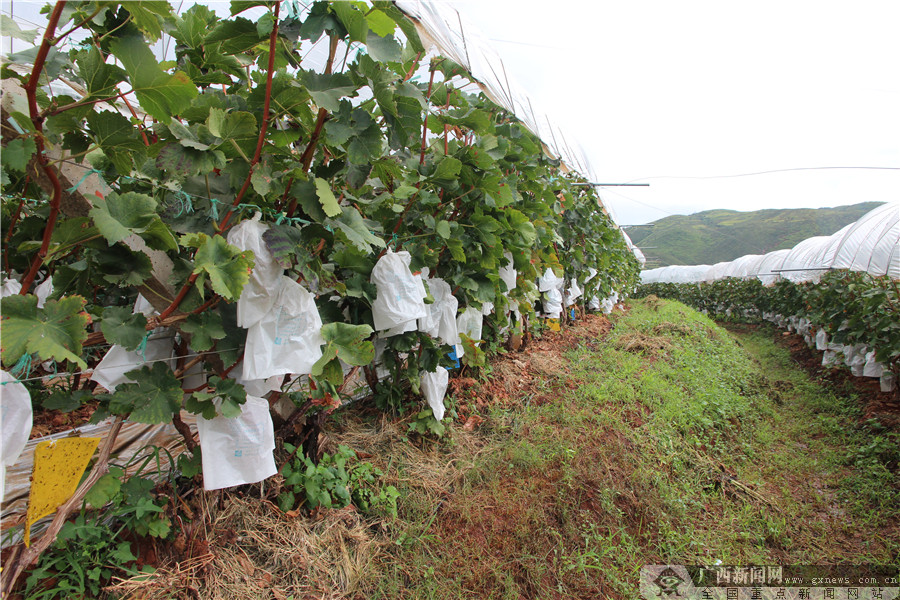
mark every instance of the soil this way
{"type": "Point", "coordinates": [884, 406]}
{"type": "Point", "coordinates": [47, 422]}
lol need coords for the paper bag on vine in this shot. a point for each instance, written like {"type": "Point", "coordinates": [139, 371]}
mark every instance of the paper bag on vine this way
{"type": "Point", "coordinates": [110, 372]}
{"type": "Point", "coordinates": [238, 450]}
{"type": "Point", "coordinates": [288, 338]}
{"type": "Point", "coordinates": [15, 417]}
{"type": "Point", "coordinates": [258, 294]}
{"type": "Point", "coordinates": [434, 386]}
{"type": "Point", "coordinates": [400, 295]}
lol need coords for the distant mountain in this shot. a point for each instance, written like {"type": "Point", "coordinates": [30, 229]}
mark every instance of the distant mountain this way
{"type": "Point", "coordinates": [717, 235]}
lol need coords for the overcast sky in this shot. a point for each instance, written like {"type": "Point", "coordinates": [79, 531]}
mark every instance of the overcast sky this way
{"type": "Point", "coordinates": [654, 88]}
{"type": "Point", "coordinates": [679, 94]}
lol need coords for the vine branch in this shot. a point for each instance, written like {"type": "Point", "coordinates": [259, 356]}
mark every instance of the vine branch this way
{"type": "Point", "coordinates": [34, 113]}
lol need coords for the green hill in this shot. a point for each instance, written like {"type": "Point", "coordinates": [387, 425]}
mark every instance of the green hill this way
{"type": "Point", "coordinates": [717, 235]}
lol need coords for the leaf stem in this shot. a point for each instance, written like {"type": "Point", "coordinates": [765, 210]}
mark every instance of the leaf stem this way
{"type": "Point", "coordinates": [96, 12]}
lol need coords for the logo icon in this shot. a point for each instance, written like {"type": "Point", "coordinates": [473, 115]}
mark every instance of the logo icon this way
{"type": "Point", "coordinates": [668, 581]}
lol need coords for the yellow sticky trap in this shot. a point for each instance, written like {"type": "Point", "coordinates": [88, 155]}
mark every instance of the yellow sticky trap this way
{"type": "Point", "coordinates": [58, 467]}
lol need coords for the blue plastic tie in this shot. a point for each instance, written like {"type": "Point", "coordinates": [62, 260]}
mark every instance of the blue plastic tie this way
{"type": "Point", "coordinates": [213, 210]}
{"type": "Point", "coordinates": [75, 187]}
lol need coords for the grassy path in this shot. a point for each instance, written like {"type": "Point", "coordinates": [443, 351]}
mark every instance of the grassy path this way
{"type": "Point", "coordinates": [666, 439]}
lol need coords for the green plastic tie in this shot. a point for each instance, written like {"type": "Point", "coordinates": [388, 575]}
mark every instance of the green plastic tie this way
{"type": "Point", "coordinates": [213, 209]}
{"type": "Point", "coordinates": [87, 174]}
{"type": "Point", "coordinates": [22, 367]}
{"type": "Point", "coordinates": [185, 204]}
{"type": "Point", "coordinates": [143, 346]}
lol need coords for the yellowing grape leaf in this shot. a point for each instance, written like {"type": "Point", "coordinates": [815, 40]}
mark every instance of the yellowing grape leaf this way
{"type": "Point", "coordinates": [58, 467]}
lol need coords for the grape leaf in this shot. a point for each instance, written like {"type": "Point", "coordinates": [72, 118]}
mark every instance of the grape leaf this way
{"type": "Point", "coordinates": [99, 77]}
{"type": "Point", "coordinates": [448, 169]}
{"type": "Point", "coordinates": [326, 198]}
{"type": "Point", "coordinates": [327, 90]}
{"type": "Point", "coordinates": [443, 229]}
{"type": "Point", "coordinates": [162, 95]}
{"type": "Point", "coordinates": [283, 241]}
{"type": "Point", "coordinates": [350, 342]}
{"type": "Point", "coordinates": [352, 19]}
{"type": "Point", "coordinates": [153, 398]}
{"type": "Point", "coordinates": [383, 49]}
{"type": "Point", "coordinates": [121, 266]}
{"type": "Point", "coordinates": [53, 332]}
{"type": "Point", "coordinates": [204, 328]}
{"type": "Point", "coordinates": [121, 326]}
{"type": "Point", "coordinates": [149, 16]}
{"type": "Point", "coordinates": [120, 215]}
{"type": "Point", "coordinates": [232, 393]}
{"type": "Point", "coordinates": [17, 153]}
{"type": "Point", "coordinates": [227, 267]}
{"type": "Point", "coordinates": [201, 403]}
{"type": "Point", "coordinates": [118, 139]}
{"type": "Point", "coordinates": [66, 401]}
{"type": "Point", "coordinates": [357, 230]}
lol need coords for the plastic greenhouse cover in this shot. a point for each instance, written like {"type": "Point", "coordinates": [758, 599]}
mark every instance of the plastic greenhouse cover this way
{"type": "Point", "coordinates": [872, 244]}
{"type": "Point", "coordinates": [803, 257]}
{"type": "Point", "coordinates": [741, 267]}
{"type": "Point", "coordinates": [717, 271]}
{"type": "Point", "coordinates": [770, 263]}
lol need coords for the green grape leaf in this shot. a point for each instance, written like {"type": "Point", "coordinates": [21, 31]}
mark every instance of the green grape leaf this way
{"type": "Point", "coordinates": [227, 267]}
{"type": "Point", "coordinates": [162, 95]}
{"type": "Point", "coordinates": [189, 137]}
{"type": "Point", "coordinates": [383, 49]}
{"type": "Point", "coordinates": [326, 198]}
{"type": "Point", "coordinates": [120, 215]}
{"type": "Point", "coordinates": [118, 139]}
{"type": "Point", "coordinates": [17, 153]}
{"type": "Point", "coordinates": [66, 401]}
{"type": "Point", "coordinates": [380, 23]}
{"type": "Point", "coordinates": [350, 342]}
{"type": "Point", "coordinates": [238, 125]}
{"type": "Point", "coordinates": [53, 332]}
{"type": "Point", "coordinates": [153, 398]}
{"type": "Point", "coordinates": [232, 393]}
{"type": "Point", "coordinates": [265, 25]}
{"type": "Point", "coordinates": [523, 226]}
{"type": "Point", "coordinates": [121, 266]}
{"type": "Point", "coordinates": [102, 492]}
{"type": "Point", "coordinates": [149, 15]}
{"type": "Point", "coordinates": [443, 229]}
{"type": "Point", "coordinates": [448, 169]}
{"type": "Point", "coordinates": [327, 90]}
{"type": "Point", "coordinates": [357, 230]}
{"type": "Point", "coordinates": [99, 77]}
{"type": "Point", "coordinates": [201, 403]}
{"type": "Point", "coordinates": [236, 36]}
{"type": "Point", "coordinates": [352, 19]}
{"type": "Point", "coordinates": [204, 328]}
{"type": "Point", "coordinates": [11, 29]}
{"type": "Point", "coordinates": [365, 146]}
{"type": "Point", "coordinates": [121, 326]}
